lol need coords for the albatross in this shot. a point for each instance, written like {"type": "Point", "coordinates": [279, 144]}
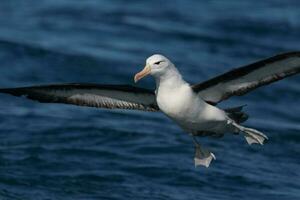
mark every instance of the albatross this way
{"type": "Point", "coordinates": [192, 107]}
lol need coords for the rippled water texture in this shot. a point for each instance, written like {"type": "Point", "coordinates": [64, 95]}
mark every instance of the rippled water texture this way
{"type": "Point", "coordinates": [50, 151]}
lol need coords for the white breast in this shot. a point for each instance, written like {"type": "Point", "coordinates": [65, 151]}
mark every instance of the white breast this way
{"type": "Point", "coordinates": [176, 102]}
{"type": "Point", "coordinates": [187, 109]}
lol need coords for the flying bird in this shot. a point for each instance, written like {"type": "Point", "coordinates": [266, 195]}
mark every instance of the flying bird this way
{"type": "Point", "coordinates": [192, 107]}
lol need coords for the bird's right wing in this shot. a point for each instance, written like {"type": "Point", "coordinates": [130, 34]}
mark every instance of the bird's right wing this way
{"type": "Point", "coordinates": [245, 79]}
{"type": "Point", "coordinates": [92, 95]}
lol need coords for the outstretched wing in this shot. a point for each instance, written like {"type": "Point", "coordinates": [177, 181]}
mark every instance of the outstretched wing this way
{"type": "Point", "coordinates": [92, 95]}
{"type": "Point", "coordinates": [245, 79]}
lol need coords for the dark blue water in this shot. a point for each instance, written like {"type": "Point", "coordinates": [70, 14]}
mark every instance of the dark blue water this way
{"type": "Point", "coordinates": [50, 151]}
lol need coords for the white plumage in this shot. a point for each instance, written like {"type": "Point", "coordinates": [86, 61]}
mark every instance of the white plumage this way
{"type": "Point", "coordinates": [177, 100]}
{"type": "Point", "coordinates": [192, 107]}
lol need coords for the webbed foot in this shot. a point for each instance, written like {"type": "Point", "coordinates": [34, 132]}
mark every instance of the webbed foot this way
{"type": "Point", "coordinates": [202, 155]}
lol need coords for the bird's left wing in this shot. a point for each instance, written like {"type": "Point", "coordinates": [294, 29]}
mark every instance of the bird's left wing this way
{"type": "Point", "coordinates": [245, 79]}
{"type": "Point", "coordinates": [92, 95]}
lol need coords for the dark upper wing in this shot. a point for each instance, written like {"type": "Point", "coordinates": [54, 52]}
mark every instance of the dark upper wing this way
{"type": "Point", "coordinates": [245, 79]}
{"type": "Point", "coordinates": [93, 95]}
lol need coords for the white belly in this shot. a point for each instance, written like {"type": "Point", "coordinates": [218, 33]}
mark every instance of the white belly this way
{"type": "Point", "coordinates": [189, 111]}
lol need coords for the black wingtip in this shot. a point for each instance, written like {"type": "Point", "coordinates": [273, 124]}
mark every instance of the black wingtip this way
{"type": "Point", "coordinates": [12, 91]}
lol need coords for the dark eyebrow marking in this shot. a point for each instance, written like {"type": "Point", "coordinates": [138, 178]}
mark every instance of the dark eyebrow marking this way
{"type": "Point", "coordinates": [156, 63]}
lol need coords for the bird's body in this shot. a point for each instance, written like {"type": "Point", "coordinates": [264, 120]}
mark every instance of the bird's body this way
{"type": "Point", "coordinates": [192, 107]}
{"type": "Point", "coordinates": [178, 101]}
{"type": "Point", "coordinates": [176, 98]}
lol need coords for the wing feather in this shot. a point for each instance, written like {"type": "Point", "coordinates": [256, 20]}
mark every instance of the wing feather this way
{"type": "Point", "coordinates": [245, 79]}
{"type": "Point", "coordinates": [92, 95]}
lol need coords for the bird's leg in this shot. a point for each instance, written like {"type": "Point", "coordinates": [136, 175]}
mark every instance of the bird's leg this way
{"type": "Point", "coordinates": [202, 155]}
{"type": "Point", "coordinates": [251, 135]}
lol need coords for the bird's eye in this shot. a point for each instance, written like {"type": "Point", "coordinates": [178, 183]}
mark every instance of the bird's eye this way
{"type": "Point", "coordinates": [157, 63]}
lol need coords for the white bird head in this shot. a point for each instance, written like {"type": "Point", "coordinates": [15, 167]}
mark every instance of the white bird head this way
{"type": "Point", "coordinates": [156, 65]}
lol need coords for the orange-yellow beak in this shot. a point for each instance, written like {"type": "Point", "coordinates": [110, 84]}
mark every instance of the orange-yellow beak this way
{"type": "Point", "coordinates": [142, 73]}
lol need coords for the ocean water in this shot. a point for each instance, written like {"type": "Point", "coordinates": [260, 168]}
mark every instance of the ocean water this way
{"type": "Point", "coordinates": [53, 151]}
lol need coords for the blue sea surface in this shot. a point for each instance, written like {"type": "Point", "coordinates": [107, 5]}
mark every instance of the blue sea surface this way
{"type": "Point", "coordinates": [65, 152]}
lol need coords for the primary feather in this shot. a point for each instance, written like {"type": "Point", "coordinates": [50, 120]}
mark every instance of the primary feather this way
{"type": "Point", "coordinates": [245, 79]}
{"type": "Point", "coordinates": [92, 95]}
